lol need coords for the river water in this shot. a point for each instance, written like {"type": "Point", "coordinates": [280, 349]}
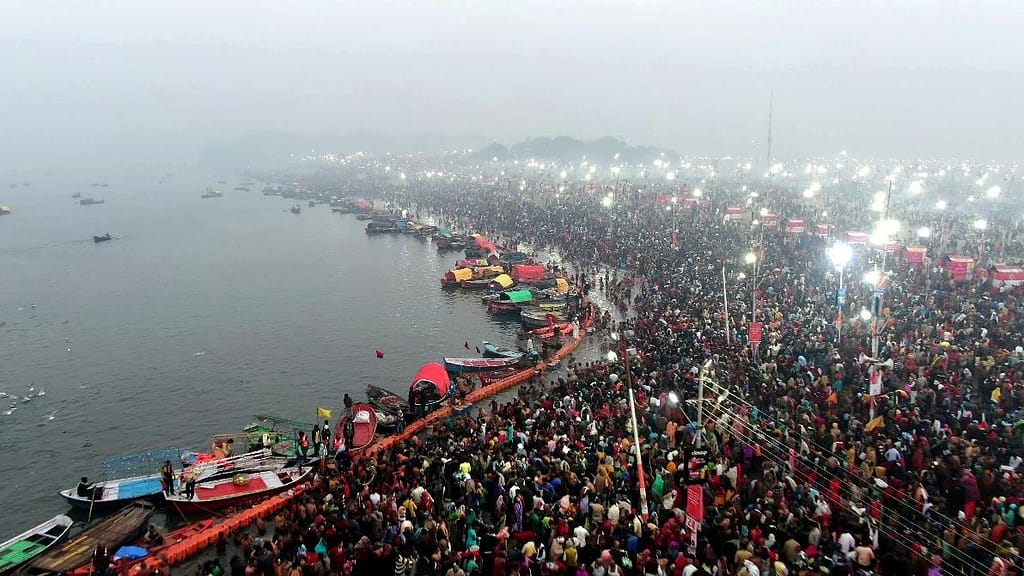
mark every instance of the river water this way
{"type": "Point", "coordinates": [198, 315]}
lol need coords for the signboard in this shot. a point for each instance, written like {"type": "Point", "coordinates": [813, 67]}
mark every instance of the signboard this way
{"type": "Point", "coordinates": [874, 381]}
{"type": "Point", "coordinates": [698, 462]}
{"type": "Point", "coordinates": [755, 332]}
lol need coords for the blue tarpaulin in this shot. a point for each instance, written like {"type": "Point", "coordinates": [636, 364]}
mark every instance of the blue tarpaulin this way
{"type": "Point", "coordinates": [131, 552]}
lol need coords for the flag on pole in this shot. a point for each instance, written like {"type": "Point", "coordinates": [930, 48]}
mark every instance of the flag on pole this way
{"type": "Point", "coordinates": [324, 413]}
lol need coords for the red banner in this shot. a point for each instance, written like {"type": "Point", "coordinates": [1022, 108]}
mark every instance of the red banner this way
{"type": "Point", "coordinates": [755, 332]}
{"type": "Point", "coordinates": [695, 503]}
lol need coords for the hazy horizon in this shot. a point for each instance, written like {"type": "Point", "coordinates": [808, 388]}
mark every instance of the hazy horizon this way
{"type": "Point", "coordinates": [121, 82]}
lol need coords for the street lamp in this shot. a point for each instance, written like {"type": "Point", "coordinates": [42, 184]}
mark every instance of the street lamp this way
{"type": "Point", "coordinates": [840, 255]}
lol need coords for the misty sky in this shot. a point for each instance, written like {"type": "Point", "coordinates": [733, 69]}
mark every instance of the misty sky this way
{"type": "Point", "coordinates": [90, 80]}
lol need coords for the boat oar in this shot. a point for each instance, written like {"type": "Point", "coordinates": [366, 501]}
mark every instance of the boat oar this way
{"type": "Point", "coordinates": [92, 502]}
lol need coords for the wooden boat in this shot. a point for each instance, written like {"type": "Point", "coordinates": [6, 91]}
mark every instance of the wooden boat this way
{"type": "Point", "coordinates": [492, 350]}
{"type": "Point", "coordinates": [386, 400]}
{"type": "Point", "coordinates": [503, 308]}
{"type": "Point", "coordinates": [465, 365]}
{"type": "Point", "coordinates": [33, 542]}
{"type": "Point", "coordinates": [277, 434]}
{"type": "Point", "coordinates": [242, 488]}
{"type": "Point", "coordinates": [471, 262]}
{"type": "Point", "coordinates": [476, 284]}
{"type": "Point", "coordinates": [105, 238]}
{"type": "Point", "coordinates": [364, 216]}
{"type": "Point", "coordinates": [539, 318]}
{"type": "Point", "coordinates": [565, 328]}
{"type": "Point", "coordinates": [380, 228]}
{"type": "Point", "coordinates": [364, 421]}
{"type": "Point", "coordinates": [211, 193]}
{"type": "Point", "coordinates": [113, 494]}
{"type": "Point", "coordinates": [488, 378]}
{"type": "Point", "coordinates": [296, 209]}
{"type": "Point", "coordinates": [112, 532]}
{"type": "Point", "coordinates": [127, 478]}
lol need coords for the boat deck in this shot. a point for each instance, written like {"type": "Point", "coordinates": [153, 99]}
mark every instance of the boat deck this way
{"type": "Point", "coordinates": [228, 488]}
{"type": "Point", "coordinates": [132, 489]}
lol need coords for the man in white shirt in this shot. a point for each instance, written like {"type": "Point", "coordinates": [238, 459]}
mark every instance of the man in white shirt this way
{"type": "Point", "coordinates": [846, 543]}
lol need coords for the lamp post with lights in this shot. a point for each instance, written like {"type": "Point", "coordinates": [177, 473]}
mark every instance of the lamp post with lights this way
{"type": "Point", "coordinates": [840, 255]}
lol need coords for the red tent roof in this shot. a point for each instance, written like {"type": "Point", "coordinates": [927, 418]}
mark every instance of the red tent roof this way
{"type": "Point", "coordinates": [433, 373]}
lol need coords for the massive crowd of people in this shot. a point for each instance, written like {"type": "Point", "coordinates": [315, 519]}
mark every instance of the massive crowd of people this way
{"type": "Point", "coordinates": [807, 473]}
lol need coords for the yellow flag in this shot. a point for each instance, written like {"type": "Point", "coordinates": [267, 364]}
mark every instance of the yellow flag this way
{"type": "Point", "coordinates": [875, 422]}
{"type": "Point", "coordinates": [323, 413]}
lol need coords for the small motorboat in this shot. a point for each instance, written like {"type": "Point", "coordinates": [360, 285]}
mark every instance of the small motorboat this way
{"type": "Point", "coordinates": [386, 400]}
{"type": "Point", "coordinates": [89, 201]}
{"type": "Point", "coordinates": [105, 238]}
{"type": "Point", "coordinates": [492, 350]}
{"type": "Point", "coordinates": [211, 193]}
{"type": "Point", "coordinates": [363, 420]}
{"type": "Point", "coordinates": [33, 542]}
{"type": "Point", "coordinates": [76, 195]}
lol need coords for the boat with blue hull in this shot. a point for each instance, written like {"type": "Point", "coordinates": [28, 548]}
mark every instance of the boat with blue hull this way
{"type": "Point", "coordinates": [109, 495]}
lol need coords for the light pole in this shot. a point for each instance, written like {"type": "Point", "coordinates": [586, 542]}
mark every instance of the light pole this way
{"type": "Point", "coordinates": [751, 259]}
{"type": "Point", "coordinates": [725, 307]}
{"type": "Point", "coordinates": [641, 481]}
{"type": "Point", "coordinates": [840, 256]}
{"type": "Point", "coordinates": [699, 440]}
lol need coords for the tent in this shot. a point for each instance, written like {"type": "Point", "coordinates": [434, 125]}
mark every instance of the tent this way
{"type": "Point", "coordinates": [733, 213]}
{"type": "Point", "coordinates": [529, 273]}
{"type": "Point", "coordinates": [1007, 275]}
{"type": "Point", "coordinates": [795, 227]}
{"type": "Point", "coordinates": [960, 267]}
{"type": "Point", "coordinates": [431, 385]}
{"type": "Point", "coordinates": [502, 281]}
{"type": "Point", "coordinates": [562, 285]}
{"type": "Point", "coordinates": [857, 238]}
{"type": "Point", "coordinates": [893, 246]}
{"type": "Point", "coordinates": [822, 230]}
{"type": "Point", "coordinates": [915, 255]}
{"type": "Point", "coordinates": [771, 222]}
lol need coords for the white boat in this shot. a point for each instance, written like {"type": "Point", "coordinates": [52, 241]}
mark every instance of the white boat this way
{"type": "Point", "coordinates": [31, 543]}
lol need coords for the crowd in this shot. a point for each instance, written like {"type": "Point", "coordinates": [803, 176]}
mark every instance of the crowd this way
{"type": "Point", "coordinates": [806, 473]}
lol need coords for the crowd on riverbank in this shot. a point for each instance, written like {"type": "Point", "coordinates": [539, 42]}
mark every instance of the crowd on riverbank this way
{"type": "Point", "coordinates": [802, 479]}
